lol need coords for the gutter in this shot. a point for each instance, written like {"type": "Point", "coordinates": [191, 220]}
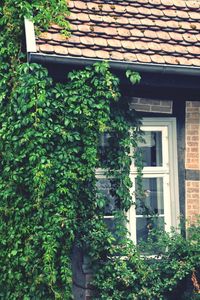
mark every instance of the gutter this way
{"type": "Point", "coordinates": [41, 58]}
{"type": "Point", "coordinates": [117, 65]}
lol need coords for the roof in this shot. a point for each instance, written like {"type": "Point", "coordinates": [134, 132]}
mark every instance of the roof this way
{"type": "Point", "coordinates": [141, 31]}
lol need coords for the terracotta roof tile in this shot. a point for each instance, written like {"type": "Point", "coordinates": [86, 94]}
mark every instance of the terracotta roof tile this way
{"type": "Point", "coordinates": [128, 45]}
{"type": "Point", "coordinates": [150, 34]}
{"type": "Point", "coordinates": [179, 3]}
{"type": "Point", "coordinates": [61, 50]}
{"type": "Point", "coordinates": [157, 59]}
{"type": "Point", "coordinates": [88, 53]}
{"type": "Point", "coordinates": [171, 13]}
{"type": "Point", "coordinates": [143, 58]}
{"type": "Point", "coordinates": [123, 32]}
{"type": "Point", "coordinates": [100, 41]}
{"type": "Point", "coordinates": [130, 57]}
{"type": "Point", "coordinates": [144, 31]}
{"type": "Point", "coordinates": [167, 2]}
{"type": "Point", "coordinates": [117, 55]}
{"type": "Point", "coordinates": [86, 40]}
{"type": "Point", "coordinates": [102, 54]}
{"type": "Point", "coordinates": [176, 36]}
{"type": "Point", "coordinates": [46, 48]}
{"type": "Point", "coordinates": [75, 51]}
{"type": "Point", "coordinates": [189, 38]}
{"type": "Point", "coordinates": [155, 2]}
{"type": "Point", "coordinates": [192, 4]}
{"type": "Point", "coordinates": [114, 43]}
{"type": "Point", "coordinates": [162, 35]}
{"type": "Point", "coordinates": [182, 14]}
{"type": "Point", "coordinates": [194, 50]}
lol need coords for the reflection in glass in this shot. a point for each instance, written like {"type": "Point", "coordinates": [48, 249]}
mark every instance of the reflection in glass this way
{"type": "Point", "coordinates": [146, 224]}
{"type": "Point", "coordinates": [151, 149]}
{"type": "Point", "coordinates": [104, 187]}
{"type": "Point", "coordinates": [152, 202]}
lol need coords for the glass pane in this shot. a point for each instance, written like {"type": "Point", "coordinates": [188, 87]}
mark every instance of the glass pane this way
{"type": "Point", "coordinates": [145, 224]}
{"type": "Point", "coordinates": [103, 147]}
{"type": "Point", "coordinates": [110, 222]}
{"type": "Point", "coordinates": [104, 186]}
{"type": "Point", "coordinates": [153, 201]}
{"type": "Point", "coordinates": [152, 149]}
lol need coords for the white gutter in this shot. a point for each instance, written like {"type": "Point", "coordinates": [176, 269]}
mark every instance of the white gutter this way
{"type": "Point", "coordinates": [30, 36]}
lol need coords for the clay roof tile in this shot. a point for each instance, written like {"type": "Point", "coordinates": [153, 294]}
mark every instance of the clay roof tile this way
{"type": "Point", "coordinates": [145, 31]}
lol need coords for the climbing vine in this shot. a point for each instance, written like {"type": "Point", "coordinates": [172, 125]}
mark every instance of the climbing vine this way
{"type": "Point", "coordinates": [49, 196]}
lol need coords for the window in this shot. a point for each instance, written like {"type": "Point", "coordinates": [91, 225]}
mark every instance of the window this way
{"type": "Point", "coordinates": [160, 181]}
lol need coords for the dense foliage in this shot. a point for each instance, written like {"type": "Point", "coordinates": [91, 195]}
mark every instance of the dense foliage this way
{"type": "Point", "coordinates": [49, 198]}
{"type": "Point", "coordinates": [166, 274]}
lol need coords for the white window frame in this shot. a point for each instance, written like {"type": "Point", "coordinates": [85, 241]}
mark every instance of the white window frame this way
{"type": "Point", "coordinates": [168, 171]}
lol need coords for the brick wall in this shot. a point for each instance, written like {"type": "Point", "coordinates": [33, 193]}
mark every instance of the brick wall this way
{"type": "Point", "coordinates": [192, 159]}
{"type": "Point", "coordinates": [150, 105]}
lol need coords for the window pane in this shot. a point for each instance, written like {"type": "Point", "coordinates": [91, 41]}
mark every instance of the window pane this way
{"type": "Point", "coordinates": [104, 186]}
{"type": "Point", "coordinates": [145, 224]}
{"type": "Point", "coordinates": [153, 201]}
{"type": "Point", "coordinates": [152, 149]}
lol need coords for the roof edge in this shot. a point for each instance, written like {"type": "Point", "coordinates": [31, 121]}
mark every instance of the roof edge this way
{"type": "Point", "coordinates": [30, 36]}
{"type": "Point", "coordinates": [119, 65]}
